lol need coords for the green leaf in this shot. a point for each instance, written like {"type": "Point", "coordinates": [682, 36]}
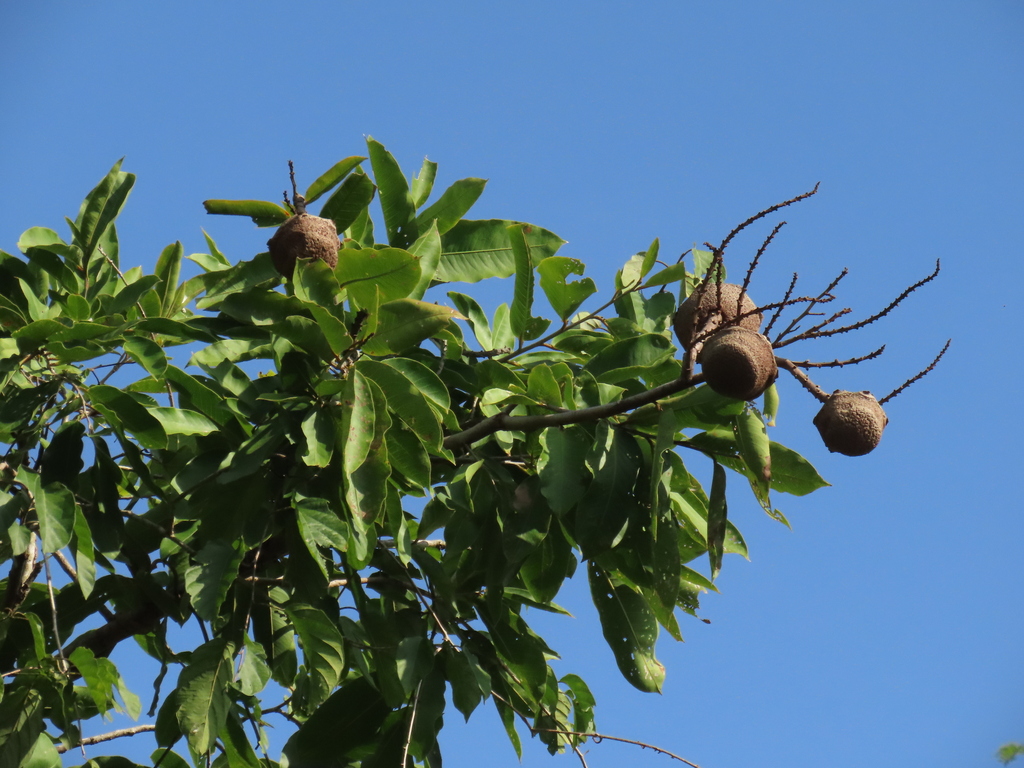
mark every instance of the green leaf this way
{"type": "Point", "coordinates": [667, 275]}
{"type": "Point", "coordinates": [82, 547]}
{"type": "Point", "coordinates": [130, 414]}
{"type": "Point", "coordinates": [630, 628]}
{"type": "Point", "coordinates": [404, 323]}
{"type": "Point", "coordinates": [770, 407]}
{"type": "Point", "coordinates": [328, 180]}
{"type": "Point", "coordinates": [318, 429]}
{"type": "Point", "coordinates": [168, 269]}
{"type": "Point", "coordinates": [426, 380]}
{"type": "Point", "coordinates": [101, 206]}
{"type": "Point", "coordinates": [476, 250]}
{"type": "Point", "coordinates": [208, 580]}
{"type": "Point", "coordinates": [565, 297]}
{"type": "Point", "coordinates": [522, 303]}
{"type": "Point", "coordinates": [62, 459]}
{"type": "Point", "coordinates": [792, 473]}
{"type": "Point", "coordinates": [395, 199]}
{"type": "Point", "coordinates": [406, 400]}
{"type": "Point", "coordinates": [562, 469]}
{"type": "Point", "coordinates": [424, 182]}
{"type": "Point", "coordinates": [609, 502]}
{"type": "Point", "coordinates": [44, 754]}
{"type": "Point", "coordinates": [351, 718]}
{"type": "Point", "coordinates": [319, 525]}
{"type": "Point", "coordinates": [263, 213]}
{"type": "Point", "coordinates": [717, 516]}
{"type": "Point", "coordinates": [21, 725]}
{"type": "Point", "coordinates": [702, 261]}
{"type": "Point", "coordinates": [349, 201]}
{"type": "Point", "coordinates": [542, 386]}
{"type": "Point", "coordinates": [204, 693]}
{"type": "Point", "coordinates": [650, 256]}
{"type": "Point", "coordinates": [253, 672]}
{"type": "Point", "coordinates": [469, 680]}
{"type": "Point", "coordinates": [392, 272]}
{"type": "Point", "coordinates": [629, 358]}
{"type": "Point", "coordinates": [755, 450]}
{"type": "Point", "coordinates": [322, 649]}
{"type": "Point", "coordinates": [428, 250]}
{"type": "Point", "coordinates": [180, 421]}
{"type": "Point", "coordinates": [148, 354]}
{"type": "Point", "coordinates": [468, 306]}
{"type": "Point", "coordinates": [55, 509]}
{"type": "Point", "coordinates": [453, 204]}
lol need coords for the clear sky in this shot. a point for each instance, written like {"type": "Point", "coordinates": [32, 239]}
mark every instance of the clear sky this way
{"type": "Point", "coordinates": [885, 629]}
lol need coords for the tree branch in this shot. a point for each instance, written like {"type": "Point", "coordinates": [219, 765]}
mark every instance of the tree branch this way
{"type": "Point", "coordinates": [599, 737]}
{"type": "Point", "coordinates": [62, 748]}
{"type": "Point", "coordinates": [102, 640]}
{"type": "Point", "coordinates": [505, 421]}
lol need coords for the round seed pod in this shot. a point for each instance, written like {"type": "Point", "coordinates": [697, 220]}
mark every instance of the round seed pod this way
{"type": "Point", "coordinates": [700, 314]}
{"type": "Point", "coordinates": [303, 236]}
{"type": "Point", "coordinates": [851, 423]}
{"type": "Point", "coordinates": [738, 362]}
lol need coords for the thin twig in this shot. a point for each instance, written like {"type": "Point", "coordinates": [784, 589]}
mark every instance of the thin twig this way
{"type": "Point", "coordinates": [412, 722]}
{"type": "Point", "coordinates": [753, 264]}
{"type": "Point", "coordinates": [566, 326]}
{"type": "Point", "coordinates": [62, 748]}
{"type": "Point", "coordinates": [64, 666]}
{"type": "Point", "coordinates": [782, 305]}
{"type": "Point", "coordinates": [599, 737]}
{"type": "Point", "coordinates": [919, 376]}
{"type": "Point", "coordinates": [765, 212]}
{"type": "Point", "coordinates": [877, 316]}
{"type": "Point", "coordinates": [821, 299]}
{"type": "Point", "coordinates": [839, 363]}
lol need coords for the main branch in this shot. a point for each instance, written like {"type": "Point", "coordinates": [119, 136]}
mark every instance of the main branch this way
{"type": "Point", "coordinates": [505, 421]}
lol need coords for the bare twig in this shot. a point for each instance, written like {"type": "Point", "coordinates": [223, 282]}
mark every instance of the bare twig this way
{"type": "Point", "coordinates": [823, 297]}
{"type": "Point", "coordinates": [839, 363]}
{"type": "Point", "coordinates": [63, 662]}
{"type": "Point", "coordinates": [753, 264]}
{"type": "Point", "coordinates": [599, 737]}
{"type": "Point", "coordinates": [782, 305]}
{"type": "Point", "coordinates": [767, 211]}
{"type": "Point", "coordinates": [412, 722]}
{"type": "Point", "coordinates": [62, 748]}
{"type": "Point", "coordinates": [919, 376]}
{"type": "Point", "coordinates": [877, 316]}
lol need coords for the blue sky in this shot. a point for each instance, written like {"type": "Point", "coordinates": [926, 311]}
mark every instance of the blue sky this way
{"type": "Point", "coordinates": [885, 628]}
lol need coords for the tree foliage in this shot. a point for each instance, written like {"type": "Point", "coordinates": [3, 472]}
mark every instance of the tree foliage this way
{"type": "Point", "coordinates": [348, 489]}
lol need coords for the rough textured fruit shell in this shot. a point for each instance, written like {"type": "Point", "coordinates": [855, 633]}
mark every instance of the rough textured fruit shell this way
{"type": "Point", "coordinates": [851, 423]}
{"type": "Point", "coordinates": [303, 236]}
{"type": "Point", "coordinates": [699, 313]}
{"type": "Point", "coordinates": [738, 362]}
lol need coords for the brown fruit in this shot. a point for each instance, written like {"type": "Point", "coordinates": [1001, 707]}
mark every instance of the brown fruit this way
{"type": "Point", "coordinates": [303, 236]}
{"type": "Point", "coordinates": [851, 423]}
{"type": "Point", "coordinates": [700, 315]}
{"type": "Point", "coordinates": [738, 362]}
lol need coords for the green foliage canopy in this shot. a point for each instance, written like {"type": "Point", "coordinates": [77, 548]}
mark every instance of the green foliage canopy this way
{"type": "Point", "coordinates": [350, 490]}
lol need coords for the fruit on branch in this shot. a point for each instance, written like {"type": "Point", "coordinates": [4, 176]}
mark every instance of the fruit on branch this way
{"type": "Point", "coordinates": [738, 362]}
{"type": "Point", "coordinates": [710, 307]}
{"type": "Point", "coordinates": [303, 236]}
{"type": "Point", "coordinates": [851, 423]}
